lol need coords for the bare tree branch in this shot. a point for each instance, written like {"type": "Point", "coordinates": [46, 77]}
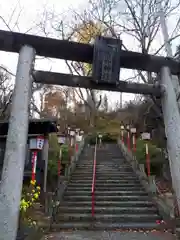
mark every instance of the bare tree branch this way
{"type": "Point", "coordinates": [6, 24]}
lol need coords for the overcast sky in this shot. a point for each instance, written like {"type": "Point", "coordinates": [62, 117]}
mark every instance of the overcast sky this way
{"type": "Point", "coordinates": [29, 14]}
{"type": "Point", "coordinates": [31, 11]}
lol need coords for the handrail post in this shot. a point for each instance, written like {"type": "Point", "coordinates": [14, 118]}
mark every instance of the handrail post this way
{"type": "Point", "coordinates": [94, 178]}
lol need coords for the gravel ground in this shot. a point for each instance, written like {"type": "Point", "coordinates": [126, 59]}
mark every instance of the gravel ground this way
{"type": "Point", "coordinates": [90, 235]}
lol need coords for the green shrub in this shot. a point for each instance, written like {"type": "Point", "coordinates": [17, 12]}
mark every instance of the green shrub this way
{"type": "Point", "coordinates": [106, 138]}
{"type": "Point", "coordinates": [156, 157]}
{"type": "Point", "coordinates": [53, 156]}
{"type": "Point", "coordinates": [54, 151]}
{"type": "Point", "coordinates": [65, 154]}
{"type": "Point", "coordinates": [92, 139]}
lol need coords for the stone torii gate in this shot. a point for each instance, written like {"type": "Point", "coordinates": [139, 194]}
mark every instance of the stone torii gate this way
{"type": "Point", "coordinates": [107, 58]}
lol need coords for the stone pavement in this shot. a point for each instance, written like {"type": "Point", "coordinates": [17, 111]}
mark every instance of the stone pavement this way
{"type": "Point", "coordinates": [114, 235]}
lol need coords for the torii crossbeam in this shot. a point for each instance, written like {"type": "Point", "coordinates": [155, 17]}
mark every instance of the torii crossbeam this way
{"type": "Point", "coordinates": [28, 46]}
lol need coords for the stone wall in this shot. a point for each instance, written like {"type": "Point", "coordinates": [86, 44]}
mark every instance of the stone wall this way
{"type": "Point", "coordinates": [164, 203]}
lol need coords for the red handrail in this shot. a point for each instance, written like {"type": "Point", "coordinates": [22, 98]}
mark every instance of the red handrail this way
{"type": "Point", "coordinates": [94, 179]}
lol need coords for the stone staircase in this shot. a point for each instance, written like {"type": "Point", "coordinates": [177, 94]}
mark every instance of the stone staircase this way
{"type": "Point", "coordinates": [120, 200]}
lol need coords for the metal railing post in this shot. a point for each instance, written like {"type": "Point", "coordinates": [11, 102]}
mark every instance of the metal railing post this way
{"type": "Point", "coordinates": [94, 179]}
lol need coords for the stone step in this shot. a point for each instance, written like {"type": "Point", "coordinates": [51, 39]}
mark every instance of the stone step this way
{"type": "Point", "coordinates": [120, 200]}
{"type": "Point", "coordinates": [120, 218]}
{"type": "Point", "coordinates": [103, 166]}
{"type": "Point", "coordinates": [108, 185]}
{"type": "Point", "coordinates": [85, 162]}
{"type": "Point", "coordinates": [106, 181]}
{"type": "Point", "coordinates": [110, 203]}
{"type": "Point", "coordinates": [115, 170]}
{"type": "Point", "coordinates": [107, 209]}
{"type": "Point", "coordinates": [104, 174]}
{"type": "Point", "coordinates": [108, 158]}
{"type": "Point", "coordinates": [106, 168]}
{"type": "Point", "coordinates": [113, 166]}
{"type": "Point", "coordinates": [112, 163]}
{"type": "Point", "coordinates": [85, 225]}
{"type": "Point", "coordinates": [82, 174]}
{"type": "Point", "coordinates": [105, 184]}
{"type": "Point", "coordinates": [105, 198]}
{"type": "Point", "coordinates": [104, 188]}
{"type": "Point", "coordinates": [116, 177]}
{"type": "Point", "coordinates": [105, 193]}
{"type": "Point", "coordinates": [112, 172]}
{"type": "Point", "coordinates": [83, 168]}
{"type": "Point", "coordinates": [108, 171]}
{"type": "Point", "coordinates": [105, 155]}
{"type": "Point", "coordinates": [109, 161]}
